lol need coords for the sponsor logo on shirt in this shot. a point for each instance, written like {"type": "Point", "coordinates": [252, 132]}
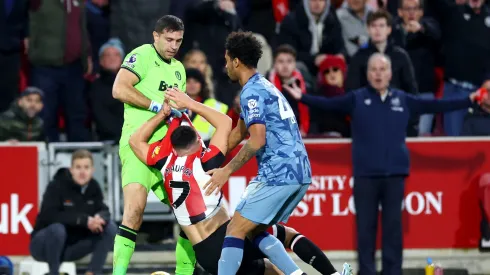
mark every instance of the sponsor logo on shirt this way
{"type": "Point", "coordinates": [253, 110]}
{"type": "Point", "coordinates": [252, 104]}
{"type": "Point", "coordinates": [178, 169]}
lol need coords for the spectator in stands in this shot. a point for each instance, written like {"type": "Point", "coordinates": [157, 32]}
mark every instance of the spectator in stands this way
{"type": "Point", "coordinates": [98, 27]}
{"type": "Point", "coordinates": [60, 54]}
{"type": "Point", "coordinates": [178, 8]}
{"type": "Point", "coordinates": [314, 30]}
{"type": "Point", "coordinates": [73, 220]}
{"type": "Point", "coordinates": [285, 74]}
{"type": "Point", "coordinates": [353, 18]}
{"type": "Point", "coordinates": [22, 122]}
{"type": "Point", "coordinates": [13, 32]}
{"type": "Point", "coordinates": [419, 36]}
{"type": "Point", "coordinates": [197, 89]}
{"type": "Point", "coordinates": [197, 59]}
{"type": "Point", "coordinates": [108, 112]}
{"type": "Point", "coordinates": [133, 21]}
{"type": "Point", "coordinates": [466, 42]}
{"type": "Point", "coordinates": [212, 19]}
{"type": "Point", "coordinates": [379, 29]}
{"type": "Point", "coordinates": [264, 16]}
{"type": "Point", "coordinates": [331, 82]}
{"type": "Point", "coordinates": [380, 115]}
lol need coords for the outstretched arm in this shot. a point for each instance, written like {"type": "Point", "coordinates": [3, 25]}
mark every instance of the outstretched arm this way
{"type": "Point", "coordinates": [343, 104]}
{"type": "Point", "coordinates": [427, 106]}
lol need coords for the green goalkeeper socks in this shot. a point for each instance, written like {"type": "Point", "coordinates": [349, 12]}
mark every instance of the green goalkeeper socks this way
{"type": "Point", "coordinates": [124, 244]}
{"type": "Point", "coordinates": [186, 257]}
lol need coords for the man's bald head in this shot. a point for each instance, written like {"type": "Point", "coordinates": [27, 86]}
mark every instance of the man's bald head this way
{"type": "Point", "coordinates": [377, 58]}
{"type": "Point", "coordinates": [379, 71]}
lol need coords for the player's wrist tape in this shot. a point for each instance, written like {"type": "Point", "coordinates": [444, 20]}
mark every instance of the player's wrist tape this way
{"type": "Point", "coordinates": [155, 106]}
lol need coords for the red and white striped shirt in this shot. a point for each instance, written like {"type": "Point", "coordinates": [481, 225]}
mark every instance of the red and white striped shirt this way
{"type": "Point", "coordinates": [184, 177]}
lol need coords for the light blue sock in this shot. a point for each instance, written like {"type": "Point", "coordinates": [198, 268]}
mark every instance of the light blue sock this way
{"type": "Point", "coordinates": [231, 256]}
{"type": "Point", "coordinates": [275, 251]}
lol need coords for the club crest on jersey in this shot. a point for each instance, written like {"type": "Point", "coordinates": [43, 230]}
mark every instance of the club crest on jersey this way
{"type": "Point", "coordinates": [177, 75]}
{"type": "Point", "coordinates": [155, 151]}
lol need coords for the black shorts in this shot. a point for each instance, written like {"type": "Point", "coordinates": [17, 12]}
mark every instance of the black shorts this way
{"type": "Point", "coordinates": [208, 253]}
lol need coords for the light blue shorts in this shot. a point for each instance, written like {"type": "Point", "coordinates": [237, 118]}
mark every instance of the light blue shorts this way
{"type": "Point", "coordinates": [270, 204]}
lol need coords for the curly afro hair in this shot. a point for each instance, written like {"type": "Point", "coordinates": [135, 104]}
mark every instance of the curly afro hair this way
{"type": "Point", "coordinates": [245, 47]}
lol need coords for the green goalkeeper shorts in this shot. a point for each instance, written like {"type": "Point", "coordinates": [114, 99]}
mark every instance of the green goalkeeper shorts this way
{"type": "Point", "coordinates": [135, 171]}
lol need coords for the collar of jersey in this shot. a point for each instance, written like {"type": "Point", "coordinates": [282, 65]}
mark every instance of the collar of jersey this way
{"type": "Point", "coordinates": [161, 57]}
{"type": "Point", "coordinates": [251, 79]}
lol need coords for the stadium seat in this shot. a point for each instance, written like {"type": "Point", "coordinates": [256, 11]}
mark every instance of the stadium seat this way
{"type": "Point", "coordinates": [29, 266]}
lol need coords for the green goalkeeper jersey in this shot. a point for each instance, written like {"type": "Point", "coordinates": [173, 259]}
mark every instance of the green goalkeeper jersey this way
{"type": "Point", "coordinates": [155, 75]}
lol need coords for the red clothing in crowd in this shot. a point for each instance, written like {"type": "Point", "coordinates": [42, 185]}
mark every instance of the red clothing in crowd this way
{"type": "Point", "coordinates": [304, 113]}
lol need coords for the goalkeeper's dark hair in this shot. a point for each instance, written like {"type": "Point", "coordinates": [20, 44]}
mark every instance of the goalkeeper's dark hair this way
{"type": "Point", "coordinates": [245, 47]}
{"type": "Point", "coordinates": [169, 23]}
{"type": "Point", "coordinates": [183, 137]}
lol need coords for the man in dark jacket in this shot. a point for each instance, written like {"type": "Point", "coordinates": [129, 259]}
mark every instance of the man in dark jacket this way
{"type": "Point", "coordinates": [22, 122]}
{"type": "Point", "coordinates": [13, 31]}
{"type": "Point", "coordinates": [379, 28]}
{"type": "Point", "coordinates": [466, 49]}
{"type": "Point", "coordinates": [212, 19]}
{"type": "Point", "coordinates": [108, 112]}
{"type": "Point", "coordinates": [380, 115]}
{"type": "Point", "coordinates": [133, 21]}
{"type": "Point", "coordinates": [314, 30]}
{"type": "Point", "coordinates": [98, 27]}
{"type": "Point", "coordinates": [73, 221]}
{"type": "Point", "coordinates": [419, 36]}
{"type": "Point", "coordinates": [59, 51]}
{"type": "Point", "coordinates": [264, 16]}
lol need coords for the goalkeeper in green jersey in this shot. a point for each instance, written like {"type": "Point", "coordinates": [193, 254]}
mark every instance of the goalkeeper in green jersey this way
{"type": "Point", "coordinates": [145, 75]}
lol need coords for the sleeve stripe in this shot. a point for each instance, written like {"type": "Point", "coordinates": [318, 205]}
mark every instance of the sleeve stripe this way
{"type": "Point", "coordinates": [133, 71]}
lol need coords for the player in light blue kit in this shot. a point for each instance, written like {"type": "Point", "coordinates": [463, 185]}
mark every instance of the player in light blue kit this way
{"type": "Point", "coordinates": [284, 172]}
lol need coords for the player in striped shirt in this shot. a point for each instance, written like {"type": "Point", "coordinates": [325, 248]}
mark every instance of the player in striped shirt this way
{"type": "Point", "coordinates": [183, 160]}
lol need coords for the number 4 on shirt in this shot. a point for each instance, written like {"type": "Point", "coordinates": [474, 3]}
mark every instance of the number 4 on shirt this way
{"type": "Point", "coordinates": [285, 111]}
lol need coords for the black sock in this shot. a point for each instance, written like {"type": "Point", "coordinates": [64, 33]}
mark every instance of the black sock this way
{"type": "Point", "coordinates": [311, 254]}
{"type": "Point", "coordinates": [183, 235]}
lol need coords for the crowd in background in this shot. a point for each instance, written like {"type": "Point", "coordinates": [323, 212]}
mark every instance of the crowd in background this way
{"type": "Point", "coordinates": [60, 58]}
